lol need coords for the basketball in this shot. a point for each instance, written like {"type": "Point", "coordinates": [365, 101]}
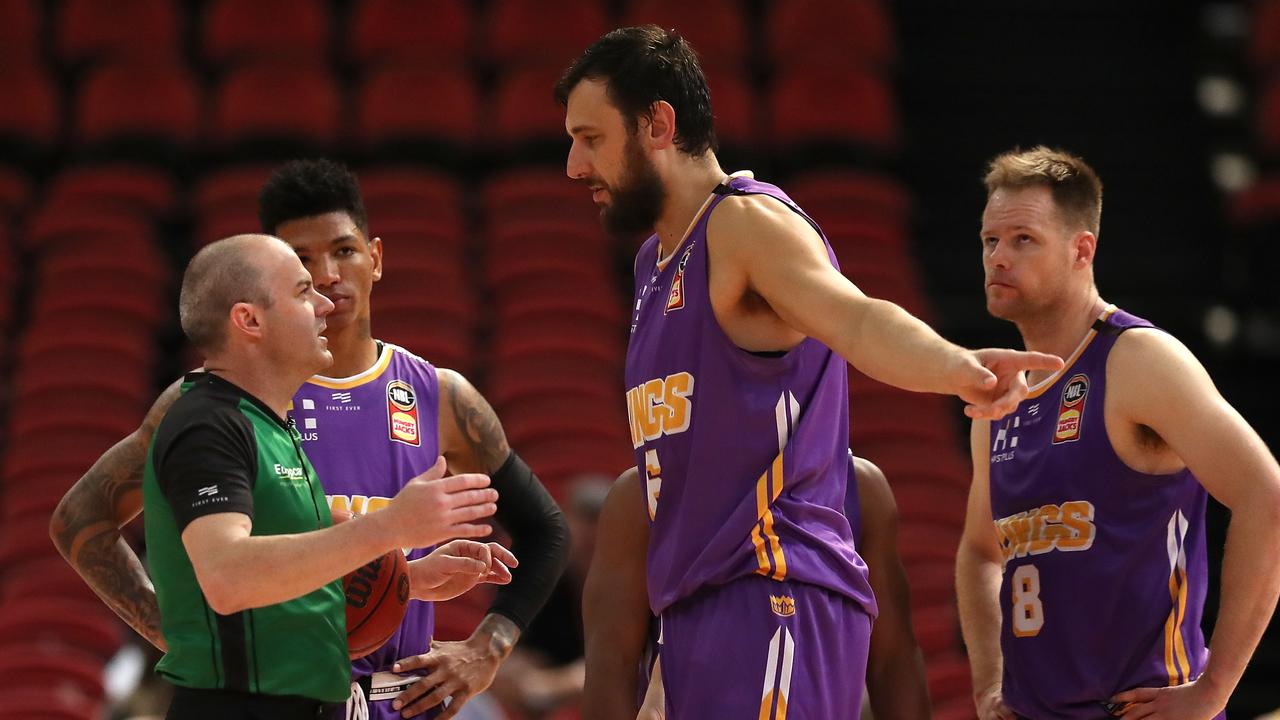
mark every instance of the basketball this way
{"type": "Point", "coordinates": [377, 596]}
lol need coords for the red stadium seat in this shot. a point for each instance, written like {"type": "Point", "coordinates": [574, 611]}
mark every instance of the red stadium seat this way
{"type": "Point", "coordinates": [79, 673]}
{"type": "Point", "coordinates": [82, 624]}
{"type": "Point", "coordinates": [30, 113]}
{"type": "Point", "coordinates": [130, 188]}
{"type": "Point", "coordinates": [51, 230]}
{"type": "Point", "coordinates": [229, 190]}
{"type": "Point", "coordinates": [89, 30]}
{"type": "Point", "coordinates": [532, 193]}
{"type": "Point", "coordinates": [607, 353]}
{"type": "Point", "coordinates": [1258, 204]}
{"type": "Point", "coordinates": [246, 30]}
{"type": "Point", "coordinates": [856, 108]}
{"type": "Point", "coordinates": [734, 106]}
{"type": "Point", "coordinates": [948, 676]}
{"type": "Point", "coordinates": [849, 194]}
{"type": "Point", "coordinates": [225, 225]}
{"type": "Point", "coordinates": [291, 102]}
{"type": "Point", "coordinates": [410, 193]}
{"type": "Point", "coordinates": [39, 704]}
{"type": "Point", "coordinates": [15, 193]}
{"type": "Point", "coordinates": [717, 29]}
{"type": "Point", "coordinates": [417, 103]}
{"type": "Point", "coordinates": [1265, 31]}
{"type": "Point", "coordinates": [25, 538]}
{"type": "Point", "coordinates": [20, 31]}
{"type": "Point", "coordinates": [457, 618]}
{"type": "Point", "coordinates": [53, 580]}
{"type": "Point", "coordinates": [157, 101]}
{"type": "Point", "coordinates": [148, 269]}
{"type": "Point", "coordinates": [579, 237]}
{"type": "Point", "coordinates": [410, 30]}
{"type": "Point", "coordinates": [937, 628]}
{"type": "Point", "coordinates": [422, 243]}
{"type": "Point", "coordinates": [931, 584]}
{"type": "Point", "coordinates": [44, 657]}
{"type": "Point", "coordinates": [523, 373]}
{"type": "Point", "coordinates": [44, 356]}
{"type": "Point", "coordinates": [542, 31]}
{"type": "Point", "coordinates": [817, 32]}
{"type": "Point", "coordinates": [1268, 119]}
{"type": "Point", "coordinates": [524, 111]}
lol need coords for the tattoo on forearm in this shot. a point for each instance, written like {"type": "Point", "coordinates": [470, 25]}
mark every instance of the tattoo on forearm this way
{"type": "Point", "coordinates": [85, 528]}
{"type": "Point", "coordinates": [479, 424]}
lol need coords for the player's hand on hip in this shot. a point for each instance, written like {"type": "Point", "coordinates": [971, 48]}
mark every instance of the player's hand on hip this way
{"type": "Point", "coordinates": [456, 567]}
{"type": "Point", "coordinates": [993, 381]}
{"type": "Point", "coordinates": [1192, 701]}
{"type": "Point", "coordinates": [458, 670]}
{"type": "Point", "coordinates": [990, 704]}
{"type": "Point", "coordinates": [432, 508]}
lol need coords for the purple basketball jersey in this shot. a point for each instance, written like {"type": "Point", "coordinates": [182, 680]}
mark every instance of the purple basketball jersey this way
{"type": "Point", "coordinates": [1105, 574]}
{"type": "Point", "coordinates": [367, 435]}
{"type": "Point", "coordinates": [744, 457]}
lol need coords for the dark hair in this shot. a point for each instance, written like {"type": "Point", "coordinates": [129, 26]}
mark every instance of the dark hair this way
{"type": "Point", "coordinates": [640, 66]}
{"type": "Point", "coordinates": [306, 188]}
{"type": "Point", "coordinates": [1075, 187]}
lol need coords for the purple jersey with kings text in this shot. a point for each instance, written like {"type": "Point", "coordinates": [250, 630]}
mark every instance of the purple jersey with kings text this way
{"type": "Point", "coordinates": [744, 457]}
{"type": "Point", "coordinates": [1104, 566]}
{"type": "Point", "coordinates": [367, 435]}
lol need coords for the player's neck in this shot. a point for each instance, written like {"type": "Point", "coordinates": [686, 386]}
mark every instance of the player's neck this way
{"type": "Point", "coordinates": [353, 348]}
{"type": "Point", "coordinates": [1060, 329]}
{"type": "Point", "coordinates": [264, 382]}
{"type": "Point", "coordinates": [687, 189]}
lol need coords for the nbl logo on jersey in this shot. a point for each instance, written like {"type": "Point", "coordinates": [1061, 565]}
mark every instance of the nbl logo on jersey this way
{"type": "Point", "coordinates": [1071, 409]}
{"type": "Point", "coordinates": [402, 413]}
{"type": "Point", "coordinates": [675, 300]}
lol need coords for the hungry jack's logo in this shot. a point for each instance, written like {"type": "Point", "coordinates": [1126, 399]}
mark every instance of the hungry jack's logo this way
{"type": "Point", "coordinates": [402, 413]}
{"type": "Point", "coordinates": [675, 300]}
{"type": "Point", "coordinates": [1071, 409]}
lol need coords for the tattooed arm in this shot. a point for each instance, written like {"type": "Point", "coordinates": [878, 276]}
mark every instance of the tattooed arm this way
{"type": "Point", "coordinates": [85, 527]}
{"type": "Point", "coordinates": [472, 440]}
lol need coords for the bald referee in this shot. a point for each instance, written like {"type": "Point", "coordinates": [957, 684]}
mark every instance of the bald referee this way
{"type": "Point", "coordinates": [243, 552]}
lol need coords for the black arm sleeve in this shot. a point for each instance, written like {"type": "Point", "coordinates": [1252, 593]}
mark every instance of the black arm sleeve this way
{"type": "Point", "coordinates": [208, 467]}
{"type": "Point", "coordinates": [539, 540]}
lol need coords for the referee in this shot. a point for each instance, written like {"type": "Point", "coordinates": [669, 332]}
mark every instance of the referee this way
{"type": "Point", "coordinates": [244, 555]}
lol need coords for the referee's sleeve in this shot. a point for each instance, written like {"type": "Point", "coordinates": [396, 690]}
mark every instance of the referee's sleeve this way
{"type": "Point", "coordinates": [209, 467]}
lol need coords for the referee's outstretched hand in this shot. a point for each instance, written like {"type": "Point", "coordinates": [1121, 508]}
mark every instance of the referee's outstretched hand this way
{"type": "Point", "coordinates": [432, 508]}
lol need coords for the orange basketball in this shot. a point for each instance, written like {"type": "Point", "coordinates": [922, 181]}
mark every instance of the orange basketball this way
{"type": "Point", "coordinates": [377, 597]}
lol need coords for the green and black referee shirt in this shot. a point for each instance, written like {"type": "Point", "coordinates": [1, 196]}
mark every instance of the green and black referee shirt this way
{"type": "Point", "coordinates": [220, 450]}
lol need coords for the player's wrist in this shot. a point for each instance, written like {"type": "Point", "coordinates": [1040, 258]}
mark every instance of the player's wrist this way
{"type": "Point", "coordinates": [495, 636]}
{"type": "Point", "coordinates": [1215, 687]}
{"type": "Point", "coordinates": [380, 531]}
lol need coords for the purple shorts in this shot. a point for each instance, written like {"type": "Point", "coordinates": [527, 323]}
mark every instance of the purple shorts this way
{"type": "Point", "coordinates": [760, 649]}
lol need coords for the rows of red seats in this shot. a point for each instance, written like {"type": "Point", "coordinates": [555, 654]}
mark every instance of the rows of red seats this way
{"type": "Point", "coordinates": [505, 277]}
{"type": "Point", "coordinates": [270, 64]}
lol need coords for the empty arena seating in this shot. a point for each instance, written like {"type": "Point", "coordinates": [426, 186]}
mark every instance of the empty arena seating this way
{"type": "Point", "coordinates": [495, 262]}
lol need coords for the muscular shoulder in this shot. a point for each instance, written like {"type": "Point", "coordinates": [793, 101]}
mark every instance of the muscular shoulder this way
{"type": "Point", "coordinates": [758, 221]}
{"type": "Point", "coordinates": [1152, 362]}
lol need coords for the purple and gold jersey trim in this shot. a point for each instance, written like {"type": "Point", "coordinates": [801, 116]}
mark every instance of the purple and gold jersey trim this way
{"type": "Point", "coordinates": [1175, 649]}
{"type": "Point", "coordinates": [744, 456]}
{"type": "Point", "coordinates": [373, 373]}
{"type": "Point", "coordinates": [1039, 388]}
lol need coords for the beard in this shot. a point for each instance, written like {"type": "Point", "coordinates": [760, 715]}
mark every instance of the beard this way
{"type": "Point", "coordinates": [638, 197]}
